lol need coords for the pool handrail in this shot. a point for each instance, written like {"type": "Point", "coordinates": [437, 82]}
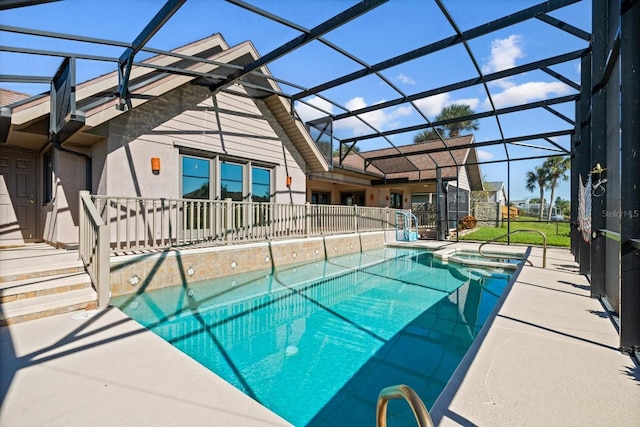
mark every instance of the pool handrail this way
{"type": "Point", "coordinates": [407, 393]}
{"type": "Point", "coordinates": [544, 246]}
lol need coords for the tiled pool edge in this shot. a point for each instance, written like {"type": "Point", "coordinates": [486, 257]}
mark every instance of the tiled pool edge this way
{"type": "Point", "coordinates": [176, 266]}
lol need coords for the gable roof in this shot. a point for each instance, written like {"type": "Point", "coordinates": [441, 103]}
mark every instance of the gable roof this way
{"type": "Point", "coordinates": [495, 185]}
{"type": "Point", "coordinates": [97, 98]}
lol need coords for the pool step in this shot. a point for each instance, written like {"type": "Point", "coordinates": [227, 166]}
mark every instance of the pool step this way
{"type": "Point", "coordinates": [45, 295]}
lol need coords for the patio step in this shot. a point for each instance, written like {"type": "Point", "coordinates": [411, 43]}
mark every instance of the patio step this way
{"type": "Point", "coordinates": [39, 271]}
{"type": "Point", "coordinates": [44, 296]}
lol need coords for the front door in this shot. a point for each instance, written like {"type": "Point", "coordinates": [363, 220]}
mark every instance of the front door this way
{"type": "Point", "coordinates": [18, 174]}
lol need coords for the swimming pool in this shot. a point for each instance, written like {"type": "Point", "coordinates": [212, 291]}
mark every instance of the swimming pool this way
{"type": "Point", "coordinates": [316, 343]}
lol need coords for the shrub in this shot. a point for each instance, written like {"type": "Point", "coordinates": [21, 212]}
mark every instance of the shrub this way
{"type": "Point", "coordinates": [468, 222]}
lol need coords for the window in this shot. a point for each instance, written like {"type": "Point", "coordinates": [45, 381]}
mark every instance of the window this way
{"type": "Point", "coordinates": [320, 198]}
{"type": "Point", "coordinates": [355, 198]}
{"type": "Point", "coordinates": [395, 201]}
{"type": "Point", "coordinates": [196, 184]}
{"type": "Point", "coordinates": [260, 185]}
{"type": "Point", "coordinates": [47, 175]}
{"type": "Point", "coordinates": [196, 178]}
{"type": "Point", "coordinates": [231, 181]}
{"type": "Point", "coordinates": [458, 207]}
{"type": "Point", "coordinates": [212, 178]}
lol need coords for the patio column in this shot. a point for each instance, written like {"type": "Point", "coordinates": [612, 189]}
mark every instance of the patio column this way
{"type": "Point", "coordinates": [630, 177]}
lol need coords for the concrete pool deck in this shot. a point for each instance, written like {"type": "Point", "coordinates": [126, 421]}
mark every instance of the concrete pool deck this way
{"type": "Point", "coordinates": [549, 357]}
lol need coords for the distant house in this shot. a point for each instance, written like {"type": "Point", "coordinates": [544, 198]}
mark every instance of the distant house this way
{"type": "Point", "coordinates": [240, 143]}
{"type": "Point", "coordinates": [496, 191]}
{"type": "Point", "coordinates": [405, 177]}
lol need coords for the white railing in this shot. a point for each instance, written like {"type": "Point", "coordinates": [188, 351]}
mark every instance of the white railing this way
{"type": "Point", "coordinates": [94, 248]}
{"type": "Point", "coordinates": [143, 223]}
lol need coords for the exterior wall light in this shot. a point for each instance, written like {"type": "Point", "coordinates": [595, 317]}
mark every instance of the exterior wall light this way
{"type": "Point", "coordinates": [288, 181]}
{"type": "Point", "coordinates": [155, 165]}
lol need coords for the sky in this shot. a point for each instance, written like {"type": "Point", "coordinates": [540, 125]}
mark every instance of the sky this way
{"type": "Point", "coordinates": [394, 28]}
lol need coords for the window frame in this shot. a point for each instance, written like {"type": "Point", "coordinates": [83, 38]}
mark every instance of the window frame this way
{"type": "Point", "coordinates": [47, 177]}
{"type": "Point", "coordinates": [252, 166]}
{"type": "Point", "coordinates": [211, 171]}
{"type": "Point", "coordinates": [216, 162]}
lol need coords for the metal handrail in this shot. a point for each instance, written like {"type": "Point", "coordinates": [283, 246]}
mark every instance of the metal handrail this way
{"type": "Point", "coordinates": [544, 246]}
{"type": "Point", "coordinates": [415, 403]}
{"type": "Point", "coordinates": [609, 234]}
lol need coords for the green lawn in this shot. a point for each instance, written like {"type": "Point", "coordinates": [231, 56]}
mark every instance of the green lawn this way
{"type": "Point", "coordinates": [557, 233]}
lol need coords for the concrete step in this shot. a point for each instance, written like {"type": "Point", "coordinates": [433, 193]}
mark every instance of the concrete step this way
{"type": "Point", "coordinates": [39, 271]}
{"type": "Point", "coordinates": [46, 305]}
{"type": "Point", "coordinates": [41, 286]}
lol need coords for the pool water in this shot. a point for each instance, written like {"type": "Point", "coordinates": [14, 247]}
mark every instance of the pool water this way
{"type": "Point", "coordinates": [316, 343]}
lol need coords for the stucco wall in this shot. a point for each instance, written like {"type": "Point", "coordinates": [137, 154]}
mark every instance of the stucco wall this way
{"type": "Point", "coordinates": [189, 119]}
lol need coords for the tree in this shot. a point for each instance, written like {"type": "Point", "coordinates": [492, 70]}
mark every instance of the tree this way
{"type": "Point", "coordinates": [449, 112]}
{"type": "Point", "coordinates": [484, 194]}
{"type": "Point", "coordinates": [556, 168]}
{"type": "Point", "coordinates": [326, 149]}
{"type": "Point", "coordinates": [454, 111]}
{"type": "Point", "coordinates": [426, 135]}
{"type": "Point", "coordinates": [537, 177]}
{"type": "Point", "coordinates": [563, 205]}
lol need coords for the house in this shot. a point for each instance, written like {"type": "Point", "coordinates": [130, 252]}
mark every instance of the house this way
{"type": "Point", "coordinates": [496, 192]}
{"type": "Point", "coordinates": [176, 140]}
{"type": "Point", "coordinates": [404, 177]}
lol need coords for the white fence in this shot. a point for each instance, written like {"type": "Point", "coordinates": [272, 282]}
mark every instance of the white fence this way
{"type": "Point", "coordinates": [144, 223]}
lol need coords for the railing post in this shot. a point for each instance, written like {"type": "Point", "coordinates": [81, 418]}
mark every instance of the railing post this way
{"type": "Point", "coordinates": [355, 218]}
{"type": "Point", "coordinates": [307, 222]}
{"type": "Point", "coordinates": [82, 223]}
{"type": "Point", "coordinates": [386, 219]}
{"type": "Point", "coordinates": [229, 219]}
{"type": "Point", "coordinates": [103, 267]}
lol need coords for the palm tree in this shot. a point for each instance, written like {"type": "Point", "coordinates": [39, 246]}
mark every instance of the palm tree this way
{"type": "Point", "coordinates": [454, 111]}
{"type": "Point", "coordinates": [563, 205]}
{"type": "Point", "coordinates": [556, 168]}
{"type": "Point", "coordinates": [449, 112]}
{"type": "Point", "coordinates": [426, 135]}
{"type": "Point", "coordinates": [537, 177]}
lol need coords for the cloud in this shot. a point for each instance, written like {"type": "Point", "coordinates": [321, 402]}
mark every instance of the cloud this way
{"type": "Point", "coordinates": [484, 155]}
{"type": "Point", "coordinates": [379, 119]}
{"type": "Point", "coordinates": [405, 79]}
{"type": "Point", "coordinates": [527, 92]}
{"type": "Point", "coordinates": [471, 102]}
{"type": "Point", "coordinates": [433, 105]}
{"type": "Point", "coordinates": [504, 53]}
{"type": "Point", "coordinates": [307, 112]}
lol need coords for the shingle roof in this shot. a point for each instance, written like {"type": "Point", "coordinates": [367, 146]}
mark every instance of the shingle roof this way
{"type": "Point", "coordinates": [401, 163]}
{"type": "Point", "coordinates": [8, 97]}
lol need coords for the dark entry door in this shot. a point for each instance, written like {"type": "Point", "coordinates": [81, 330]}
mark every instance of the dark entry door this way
{"type": "Point", "coordinates": [18, 185]}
